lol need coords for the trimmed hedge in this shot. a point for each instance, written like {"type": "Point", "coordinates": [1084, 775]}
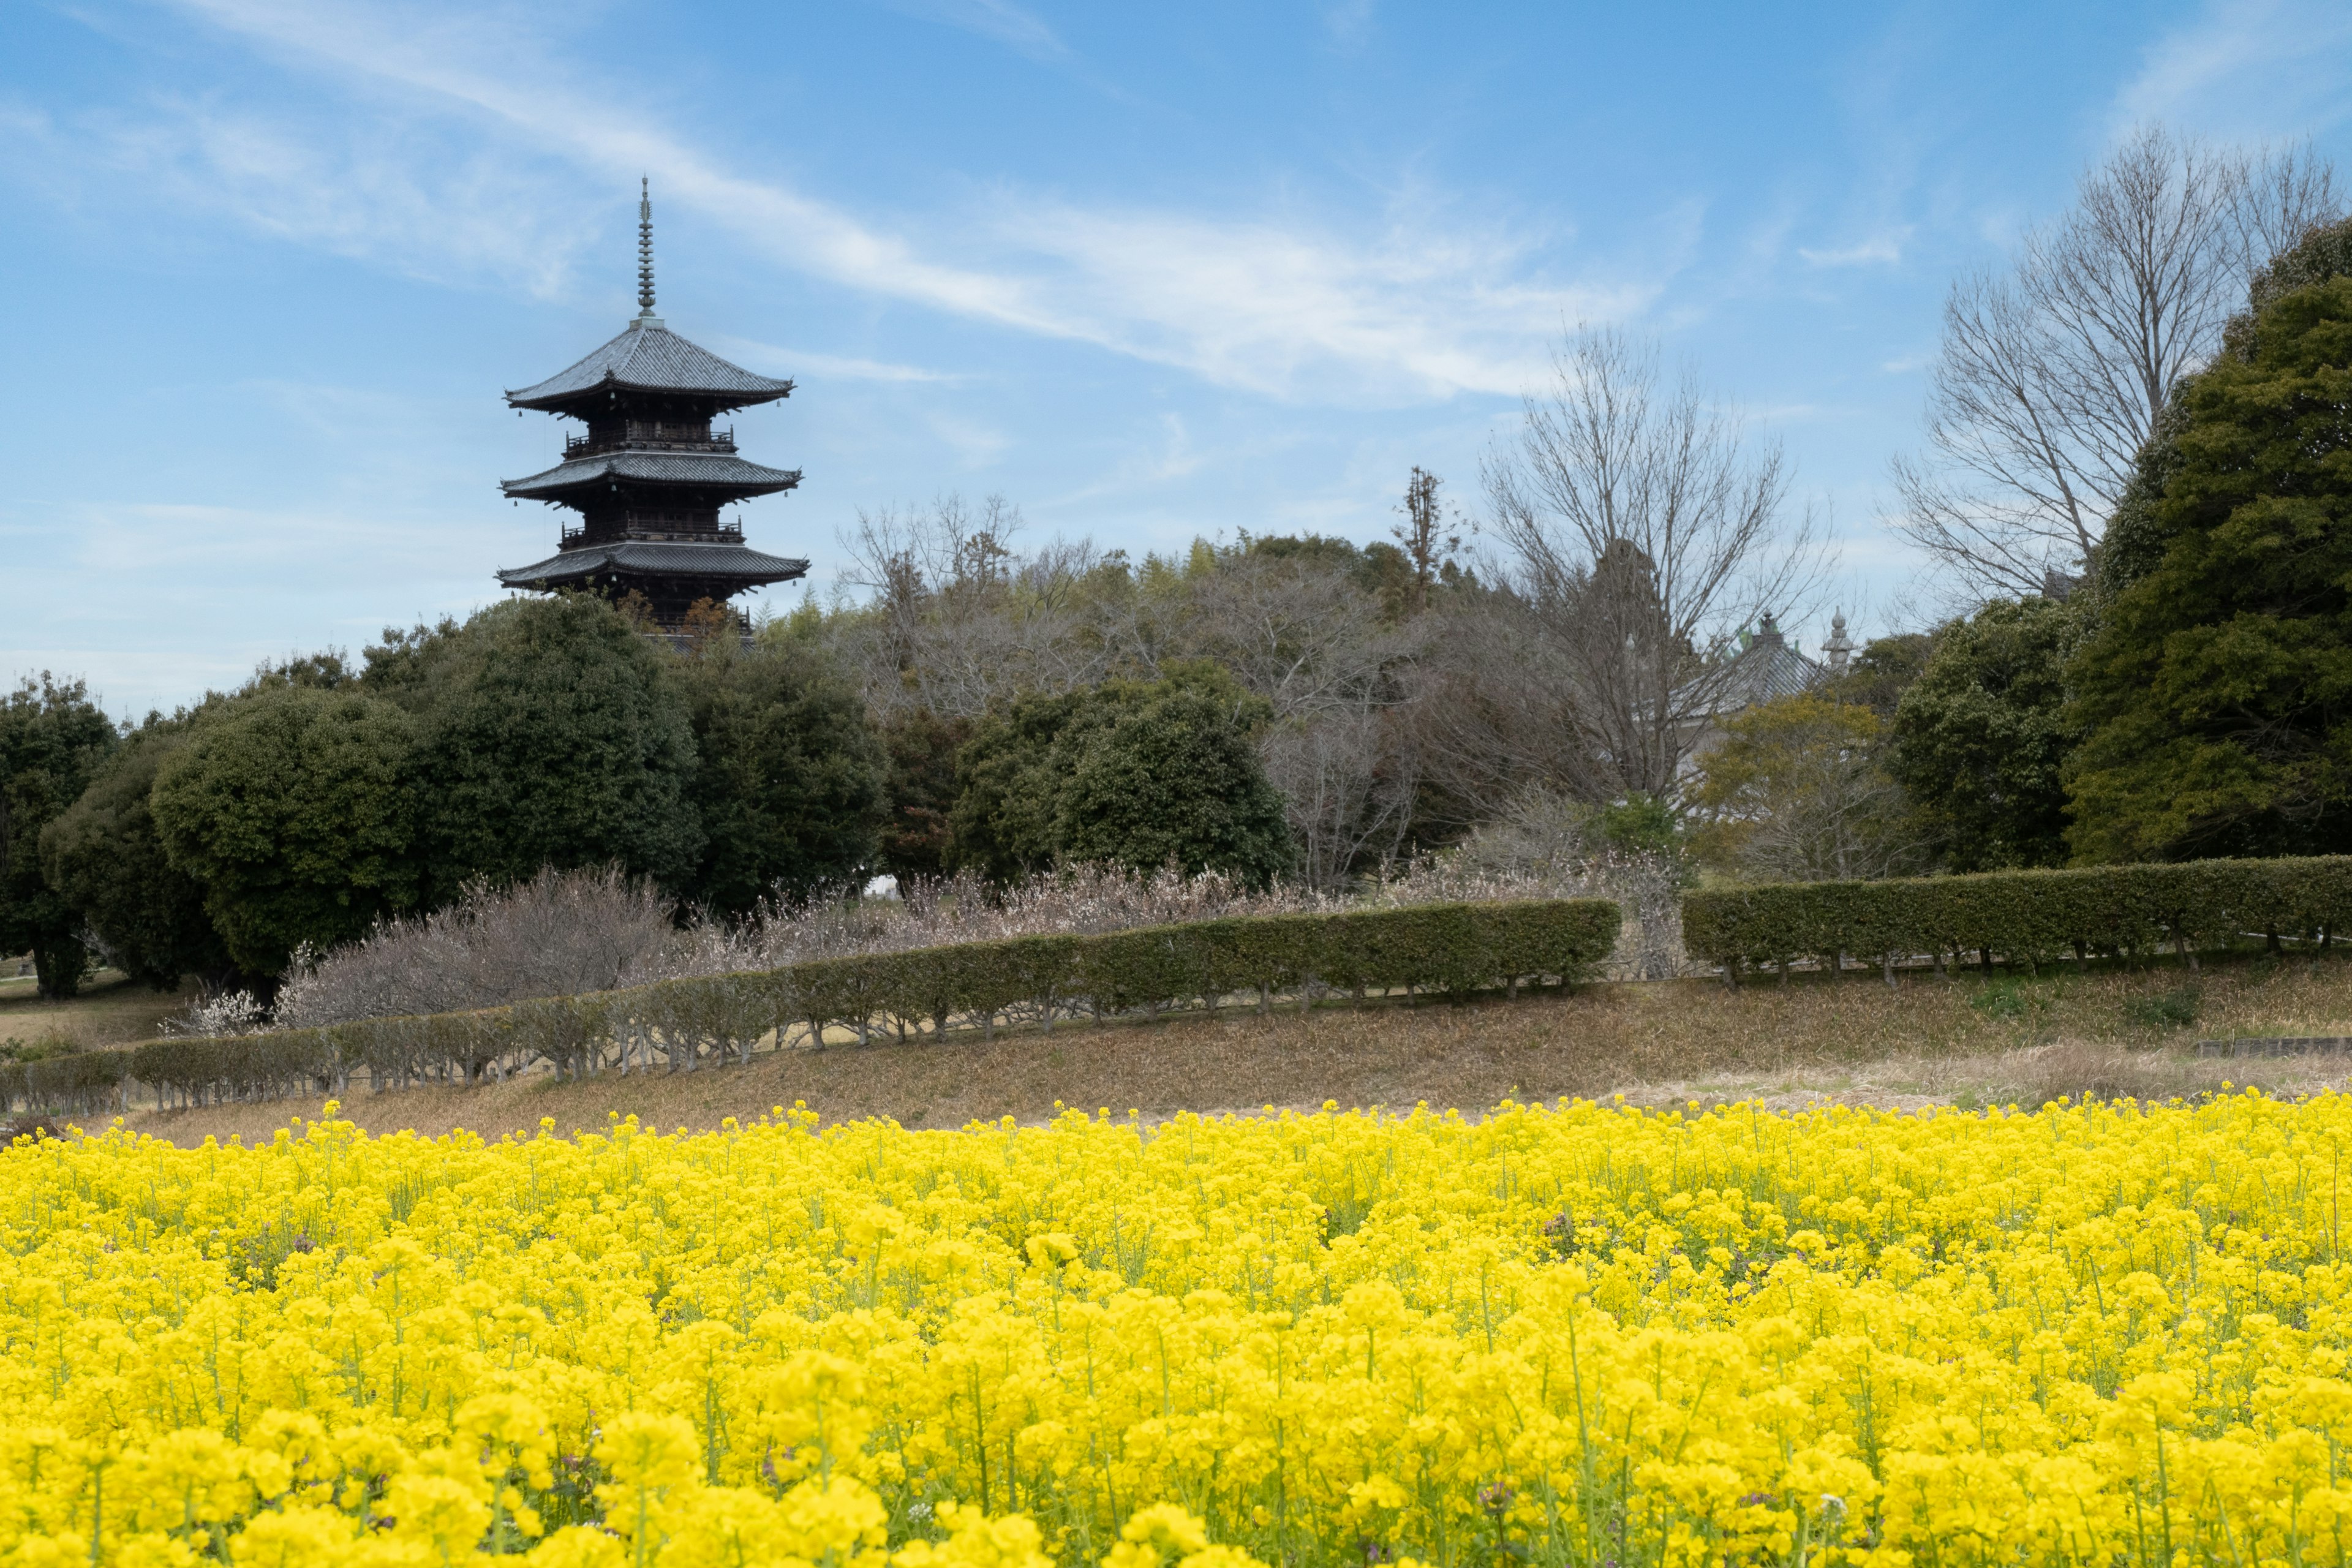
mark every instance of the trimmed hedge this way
{"type": "Point", "coordinates": [2025, 917]}
{"type": "Point", "coordinates": [1453, 949]}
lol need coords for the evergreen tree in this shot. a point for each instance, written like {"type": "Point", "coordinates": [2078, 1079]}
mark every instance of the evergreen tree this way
{"type": "Point", "coordinates": [1134, 773]}
{"type": "Point", "coordinates": [787, 782]}
{"type": "Point", "coordinates": [104, 857]}
{"type": "Point", "coordinates": [549, 734]}
{"type": "Point", "coordinates": [52, 738]}
{"type": "Point", "coordinates": [289, 806]}
{"type": "Point", "coordinates": [1981, 738]}
{"type": "Point", "coordinates": [2217, 690]}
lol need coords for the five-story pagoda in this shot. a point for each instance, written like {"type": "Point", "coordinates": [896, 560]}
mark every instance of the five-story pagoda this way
{"type": "Point", "coordinates": [650, 475]}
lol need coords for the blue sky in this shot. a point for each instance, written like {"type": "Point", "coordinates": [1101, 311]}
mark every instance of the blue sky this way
{"type": "Point", "coordinates": [1149, 272]}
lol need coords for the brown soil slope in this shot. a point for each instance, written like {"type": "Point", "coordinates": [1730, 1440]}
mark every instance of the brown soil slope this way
{"type": "Point", "coordinates": [1964, 1041]}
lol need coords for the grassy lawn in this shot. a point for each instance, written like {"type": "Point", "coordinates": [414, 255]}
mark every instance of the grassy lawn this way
{"type": "Point", "coordinates": [110, 1010]}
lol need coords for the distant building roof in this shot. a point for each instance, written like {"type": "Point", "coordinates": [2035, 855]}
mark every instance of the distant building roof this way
{"type": "Point", "coordinates": [715, 470]}
{"type": "Point", "coordinates": [648, 357]}
{"type": "Point", "coordinates": [737, 563]}
{"type": "Point", "coordinates": [1767, 667]}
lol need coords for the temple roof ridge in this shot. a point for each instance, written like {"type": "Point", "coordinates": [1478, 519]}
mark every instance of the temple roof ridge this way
{"type": "Point", "coordinates": [647, 356]}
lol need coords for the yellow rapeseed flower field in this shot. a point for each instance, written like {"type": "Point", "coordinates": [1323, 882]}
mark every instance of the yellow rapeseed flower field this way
{"type": "Point", "coordinates": [1576, 1334]}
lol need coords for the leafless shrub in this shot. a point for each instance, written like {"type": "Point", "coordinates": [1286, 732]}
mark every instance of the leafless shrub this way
{"type": "Point", "coordinates": [1538, 847]}
{"type": "Point", "coordinates": [2088, 1069]}
{"type": "Point", "coordinates": [219, 1013]}
{"type": "Point", "coordinates": [560, 933]}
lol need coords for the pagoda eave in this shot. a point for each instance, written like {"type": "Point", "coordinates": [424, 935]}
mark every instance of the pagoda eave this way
{"type": "Point", "coordinates": [731, 568]}
{"type": "Point", "coordinates": [712, 473]}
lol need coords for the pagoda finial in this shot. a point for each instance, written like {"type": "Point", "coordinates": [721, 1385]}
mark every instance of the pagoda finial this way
{"type": "Point", "coordinates": [644, 247]}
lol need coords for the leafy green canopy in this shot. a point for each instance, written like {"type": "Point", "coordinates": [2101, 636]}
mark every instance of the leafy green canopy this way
{"type": "Point", "coordinates": [52, 738]}
{"type": "Point", "coordinates": [1982, 737]}
{"type": "Point", "coordinates": [290, 807]}
{"type": "Point", "coordinates": [104, 857]}
{"type": "Point", "coordinates": [548, 734]}
{"type": "Point", "coordinates": [789, 781]}
{"type": "Point", "coordinates": [2217, 692]}
{"type": "Point", "coordinates": [1137, 774]}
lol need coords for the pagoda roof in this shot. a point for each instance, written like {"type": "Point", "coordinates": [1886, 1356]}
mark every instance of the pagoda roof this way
{"type": "Point", "coordinates": [1767, 669]}
{"type": "Point", "coordinates": [648, 357]}
{"type": "Point", "coordinates": [712, 471]}
{"type": "Point", "coordinates": [732, 563]}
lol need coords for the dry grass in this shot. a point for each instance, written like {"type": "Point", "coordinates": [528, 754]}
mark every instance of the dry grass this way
{"type": "Point", "coordinates": [111, 1011]}
{"type": "Point", "coordinates": [1927, 1042]}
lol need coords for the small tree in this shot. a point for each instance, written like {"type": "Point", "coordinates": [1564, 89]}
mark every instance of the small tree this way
{"type": "Point", "coordinates": [1427, 545]}
{"type": "Point", "coordinates": [105, 859]}
{"type": "Point", "coordinates": [788, 779]}
{"type": "Point", "coordinates": [549, 734]}
{"type": "Point", "coordinates": [1135, 774]}
{"type": "Point", "coordinates": [289, 806]}
{"type": "Point", "coordinates": [1173, 777]}
{"type": "Point", "coordinates": [52, 738]}
{"type": "Point", "coordinates": [1981, 739]}
{"type": "Point", "coordinates": [1795, 792]}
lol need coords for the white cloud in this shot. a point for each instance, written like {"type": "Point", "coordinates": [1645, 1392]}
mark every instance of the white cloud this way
{"type": "Point", "coordinates": [771, 360]}
{"type": "Point", "coordinates": [999, 19]}
{"type": "Point", "coordinates": [1284, 308]}
{"type": "Point", "coordinates": [2246, 69]}
{"type": "Point", "coordinates": [1883, 247]}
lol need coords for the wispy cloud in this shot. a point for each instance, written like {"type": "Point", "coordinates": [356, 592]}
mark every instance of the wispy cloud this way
{"type": "Point", "coordinates": [1282, 306]}
{"type": "Point", "coordinates": [771, 360]}
{"type": "Point", "coordinates": [1884, 249]}
{"type": "Point", "coordinates": [2246, 69]}
{"type": "Point", "coordinates": [1008, 23]}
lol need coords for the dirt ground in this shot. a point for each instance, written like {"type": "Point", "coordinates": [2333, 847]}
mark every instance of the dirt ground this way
{"type": "Point", "coordinates": [1965, 1042]}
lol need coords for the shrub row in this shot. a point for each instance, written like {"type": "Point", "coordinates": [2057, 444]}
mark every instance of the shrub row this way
{"type": "Point", "coordinates": [2024, 917]}
{"type": "Point", "coordinates": [1452, 950]}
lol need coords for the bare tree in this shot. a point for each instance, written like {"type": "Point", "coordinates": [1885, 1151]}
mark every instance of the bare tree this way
{"type": "Point", "coordinates": [1427, 544]}
{"type": "Point", "coordinates": [2052, 375]}
{"type": "Point", "coordinates": [1641, 526]}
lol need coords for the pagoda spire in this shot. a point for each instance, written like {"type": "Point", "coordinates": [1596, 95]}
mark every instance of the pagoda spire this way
{"type": "Point", "coordinates": [644, 247]}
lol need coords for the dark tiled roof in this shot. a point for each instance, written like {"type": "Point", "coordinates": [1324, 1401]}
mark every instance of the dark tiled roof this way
{"type": "Point", "coordinates": [652, 358]}
{"type": "Point", "coordinates": [719, 471]}
{"type": "Point", "coordinates": [733, 562]}
{"type": "Point", "coordinates": [1767, 668]}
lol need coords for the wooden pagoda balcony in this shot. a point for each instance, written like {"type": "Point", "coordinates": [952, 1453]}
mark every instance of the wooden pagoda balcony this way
{"type": "Point", "coordinates": [649, 434]}
{"type": "Point", "coordinates": [642, 523]}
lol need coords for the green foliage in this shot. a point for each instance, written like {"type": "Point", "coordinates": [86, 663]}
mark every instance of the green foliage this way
{"type": "Point", "coordinates": [2174, 1009]}
{"type": "Point", "coordinates": [1455, 950]}
{"type": "Point", "coordinates": [1795, 791]}
{"type": "Point", "coordinates": [1011, 772]}
{"type": "Point", "coordinates": [1982, 737]}
{"type": "Point", "coordinates": [52, 738]}
{"type": "Point", "coordinates": [106, 860]}
{"type": "Point", "coordinates": [549, 734]}
{"type": "Point", "coordinates": [788, 778]}
{"type": "Point", "coordinates": [919, 790]}
{"type": "Point", "coordinates": [2217, 691]}
{"type": "Point", "coordinates": [2026, 917]}
{"type": "Point", "coordinates": [1173, 779]}
{"type": "Point", "coordinates": [1133, 774]}
{"type": "Point", "coordinates": [1640, 824]}
{"type": "Point", "coordinates": [290, 807]}
{"type": "Point", "coordinates": [1881, 672]}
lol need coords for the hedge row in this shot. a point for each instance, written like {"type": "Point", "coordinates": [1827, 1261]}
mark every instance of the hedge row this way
{"type": "Point", "coordinates": [1451, 949]}
{"type": "Point", "coordinates": [2023, 917]}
